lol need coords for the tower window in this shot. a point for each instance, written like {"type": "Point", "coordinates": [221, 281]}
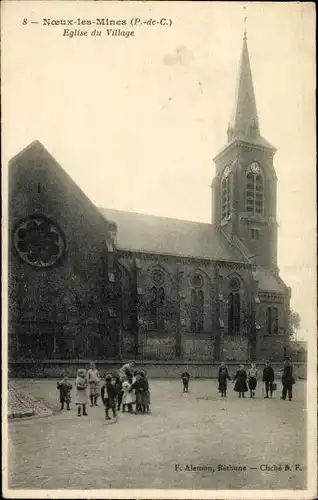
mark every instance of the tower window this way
{"type": "Point", "coordinates": [254, 200]}
{"type": "Point", "coordinates": [225, 193]}
{"type": "Point", "coordinates": [272, 320]}
{"type": "Point", "coordinates": [197, 311]}
{"type": "Point", "coordinates": [255, 233]}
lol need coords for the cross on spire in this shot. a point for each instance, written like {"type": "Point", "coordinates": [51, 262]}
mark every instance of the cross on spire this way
{"type": "Point", "coordinates": [245, 22]}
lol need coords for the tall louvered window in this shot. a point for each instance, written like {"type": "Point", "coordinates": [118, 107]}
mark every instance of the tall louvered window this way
{"type": "Point", "coordinates": [225, 194]}
{"type": "Point", "coordinates": [272, 320]}
{"type": "Point", "coordinates": [254, 190]}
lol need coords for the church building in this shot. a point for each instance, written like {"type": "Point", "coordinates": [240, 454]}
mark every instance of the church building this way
{"type": "Point", "coordinates": [96, 283]}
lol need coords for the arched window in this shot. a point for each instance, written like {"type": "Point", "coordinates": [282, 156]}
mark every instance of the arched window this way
{"type": "Point", "coordinates": [160, 309]}
{"type": "Point", "coordinates": [234, 313]}
{"type": "Point", "coordinates": [254, 201]}
{"type": "Point", "coordinates": [272, 320]}
{"type": "Point", "coordinates": [157, 300]}
{"type": "Point", "coordinates": [200, 311]}
{"type": "Point", "coordinates": [225, 194]}
{"type": "Point", "coordinates": [197, 311]}
{"type": "Point", "coordinates": [153, 305]}
{"type": "Point", "coordinates": [193, 311]}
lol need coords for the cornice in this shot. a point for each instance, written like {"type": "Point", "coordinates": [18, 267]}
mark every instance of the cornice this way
{"type": "Point", "coordinates": [246, 146]}
{"type": "Point", "coordinates": [179, 258]}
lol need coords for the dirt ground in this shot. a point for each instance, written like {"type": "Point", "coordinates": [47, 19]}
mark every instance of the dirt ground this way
{"type": "Point", "coordinates": [181, 444]}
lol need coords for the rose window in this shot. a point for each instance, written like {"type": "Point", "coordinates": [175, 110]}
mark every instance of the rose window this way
{"type": "Point", "coordinates": [157, 277]}
{"type": "Point", "coordinates": [38, 241]}
{"type": "Point", "coordinates": [197, 281]}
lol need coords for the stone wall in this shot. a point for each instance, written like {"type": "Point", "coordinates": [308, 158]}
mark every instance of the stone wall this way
{"type": "Point", "coordinates": [173, 339]}
{"type": "Point", "coordinates": [159, 369]}
{"type": "Point", "coordinates": [235, 348]}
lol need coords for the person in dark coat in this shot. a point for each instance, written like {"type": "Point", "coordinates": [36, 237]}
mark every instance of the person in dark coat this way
{"type": "Point", "coordinates": [240, 381]}
{"type": "Point", "coordinates": [118, 387]}
{"type": "Point", "coordinates": [108, 395]}
{"type": "Point", "coordinates": [223, 378]}
{"type": "Point", "coordinates": [287, 380]}
{"type": "Point", "coordinates": [185, 380]}
{"type": "Point", "coordinates": [268, 379]}
{"type": "Point", "coordinates": [141, 388]}
{"type": "Point", "coordinates": [65, 387]}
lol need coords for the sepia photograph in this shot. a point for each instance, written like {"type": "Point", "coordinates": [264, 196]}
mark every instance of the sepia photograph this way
{"type": "Point", "coordinates": [159, 250]}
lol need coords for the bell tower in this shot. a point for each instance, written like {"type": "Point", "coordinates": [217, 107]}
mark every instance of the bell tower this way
{"type": "Point", "coordinates": [244, 187]}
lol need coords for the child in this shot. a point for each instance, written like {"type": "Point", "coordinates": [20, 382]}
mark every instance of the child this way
{"type": "Point", "coordinates": [223, 378]}
{"type": "Point", "coordinates": [93, 380]}
{"type": "Point", "coordinates": [141, 387]}
{"type": "Point", "coordinates": [127, 398]}
{"type": "Point", "coordinates": [108, 395]}
{"type": "Point", "coordinates": [185, 380]}
{"type": "Point", "coordinates": [252, 379]}
{"type": "Point", "coordinates": [119, 391]}
{"type": "Point", "coordinates": [65, 387]}
{"type": "Point", "coordinates": [268, 379]}
{"type": "Point", "coordinates": [81, 392]}
{"type": "Point", "coordinates": [146, 395]}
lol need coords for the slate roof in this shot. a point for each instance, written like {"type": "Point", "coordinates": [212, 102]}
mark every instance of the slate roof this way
{"type": "Point", "coordinates": [267, 282]}
{"type": "Point", "coordinates": [163, 235]}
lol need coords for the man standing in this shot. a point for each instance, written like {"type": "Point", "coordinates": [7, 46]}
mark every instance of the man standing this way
{"type": "Point", "coordinates": [268, 379]}
{"type": "Point", "coordinates": [127, 371]}
{"type": "Point", "coordinates": [222, 379]}
{"type": "Point", "coordinates": [185, 380]}
{"type": "Point", "coordinates": [287, 380]}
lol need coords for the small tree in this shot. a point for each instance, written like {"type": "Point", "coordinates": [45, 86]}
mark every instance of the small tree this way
{"type": "Point", "coordinates": [294, 324]}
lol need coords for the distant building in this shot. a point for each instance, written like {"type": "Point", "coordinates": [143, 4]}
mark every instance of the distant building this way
{"type": "Point", "coordinates": [88, 282]}
{"type": "Point", "coordinates": [297, 350]}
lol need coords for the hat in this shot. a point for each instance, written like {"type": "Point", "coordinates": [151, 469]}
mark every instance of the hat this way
{"type": "Point", "coordinates": [108, 377]}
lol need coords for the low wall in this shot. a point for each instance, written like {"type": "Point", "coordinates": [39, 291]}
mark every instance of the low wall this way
{"type": "Point", "coordinates": [154, 369]}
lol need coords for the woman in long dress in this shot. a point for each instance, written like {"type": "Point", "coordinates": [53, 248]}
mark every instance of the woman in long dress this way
{"type": "Point", "coordinates": [252, 379]}
{"type": "Point", "coordinates": [240, 381]}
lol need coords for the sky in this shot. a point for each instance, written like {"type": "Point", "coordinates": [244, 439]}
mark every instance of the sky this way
{"type": "Point", "coordinates": [137, 121]}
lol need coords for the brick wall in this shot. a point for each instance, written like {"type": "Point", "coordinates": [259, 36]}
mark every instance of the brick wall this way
{"type": "Point", "coordinates": [63, 308]}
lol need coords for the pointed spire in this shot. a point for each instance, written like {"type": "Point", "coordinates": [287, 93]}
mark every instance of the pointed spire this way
{"type": "Point", "coordinates": [244, 123]}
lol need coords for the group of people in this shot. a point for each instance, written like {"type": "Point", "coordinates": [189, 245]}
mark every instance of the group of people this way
{"type": "Point", "coordinates": [118, 391]}
{"type": "Point", "coordinates": [247, 380]}
{"type": "Point", "coordinates": [129, 387]}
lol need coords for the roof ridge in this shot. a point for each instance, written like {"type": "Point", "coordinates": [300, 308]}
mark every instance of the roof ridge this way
{"type": "Point", "coordinates": [156, 216]}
